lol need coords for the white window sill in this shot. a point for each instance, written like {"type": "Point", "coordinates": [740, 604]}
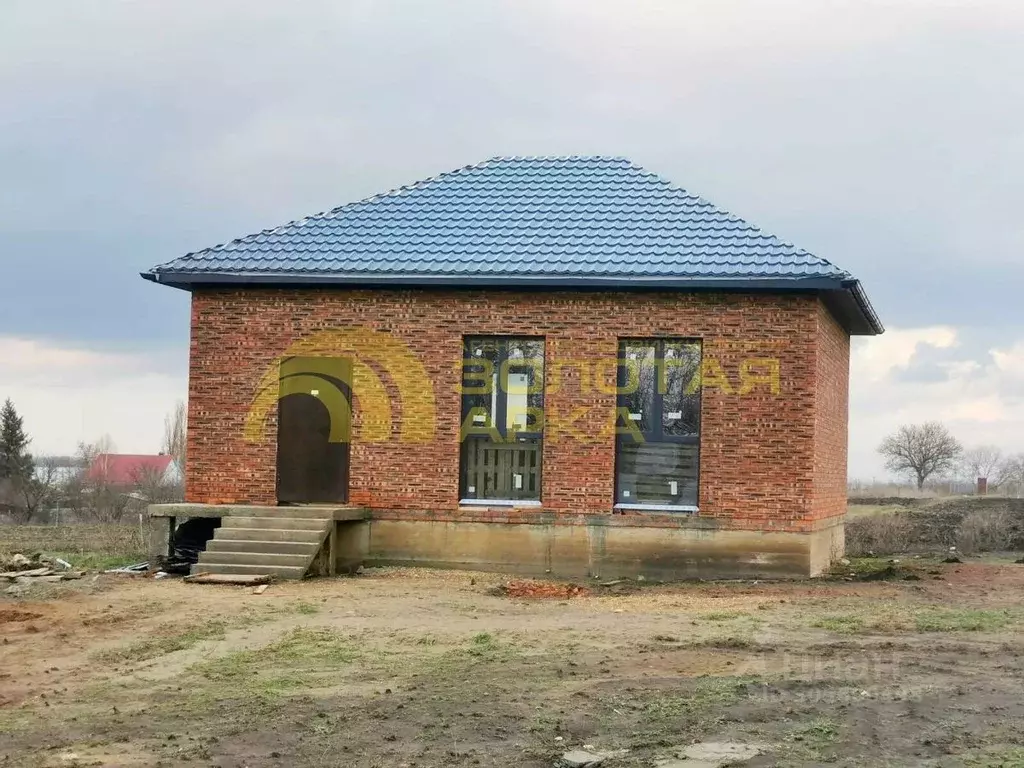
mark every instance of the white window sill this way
{"type": "Point", "coordinates": [658, 508]}
{"type": "Point", "coordinates": [498, 503]}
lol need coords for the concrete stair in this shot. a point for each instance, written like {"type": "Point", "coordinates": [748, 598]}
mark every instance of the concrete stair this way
{"type": "Point", "coordinates": [284, 543]}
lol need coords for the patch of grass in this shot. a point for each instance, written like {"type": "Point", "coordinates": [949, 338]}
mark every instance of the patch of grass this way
{"type": "Point", "coordinates": [722, 615]}
{"type": "Point", "coordinates": [854, 510]}
{"type": "Point", "coordinates": [893, 618]}
{"type": "Point", "coordinates": [92, 546]}
{"type": "Point", "coordinates": [162, 644]}
{"type": "Point", "coordinates": [960, 620]}
{"type": "Point", "coordinates": [99, 561]}
{"type": "Point", "coordinates": [843, 623]}
{"type": "Point", "coordinates": [307, 609]}
{"type": "Point", "coordinates": [484, 646]}
{"type": "Point", "coordinates": [297, 660]}
{"type": "Point", "coordinates": [811, 739]}
{"type": "Point", "coordinates": [996, 757]}
{"type": "Point", "coordinates": [710, 694]}
{"type": "Point", "coordinates": [481, 649]}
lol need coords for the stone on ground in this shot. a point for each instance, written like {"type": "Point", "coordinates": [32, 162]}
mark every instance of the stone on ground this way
{"type": "Point", "coordinates": [712, 754]}
{"type": "Point", "coordinates": [581, 758]}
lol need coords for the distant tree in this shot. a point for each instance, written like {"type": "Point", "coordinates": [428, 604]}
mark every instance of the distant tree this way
{"type": "Point", "coordinates": [89, 492]}
{"type": "Point", "coordinates": [921, 450]}
{"type": "Point", "coordinates": [42, 489]}
{"type": "Point", "coordinates": [1010, 474]}
{"type": "Point", "coordinates": [981, 461]}
{"type": "Point", "coordinates": [16, 466]}
{"type": "Point", "coordinates": [175, 425]}
{"type": "Point", "coordinates": [15, 460]}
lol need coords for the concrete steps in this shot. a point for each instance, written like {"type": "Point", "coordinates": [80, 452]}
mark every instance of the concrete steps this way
{"type": "Point", "coordinates": [266, 534]}
{"type": "Point", "coordinates": [284, 543]}
{"type": "Point", "coordinates": [280, 571]}
{"type": "Point", "coordinates": [277, 523]}
{"type": "Point", "coordinates": [255, 545]}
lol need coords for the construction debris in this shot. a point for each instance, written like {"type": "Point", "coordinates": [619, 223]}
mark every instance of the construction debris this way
{"type": "Point", "coordinates": [19, 562]}
{"type": "Point", "coordinates": [539, 589]}
{"type": "Point", "coordinates": [135, 568]}
{"type": "Point", "coordinates": [242, 580]}
{"type": "Point", "coordinates": [260, 589]}
{"type": "Point", "coordinates": [189, 540]}
{"type": "Point", "coordinates": [24, 570]}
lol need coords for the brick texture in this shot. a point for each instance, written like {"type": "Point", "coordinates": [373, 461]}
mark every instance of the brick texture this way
{"type": "Point", "coordinates": [831, 421]}
{"type": "Point", "coordinates": [771, 459]}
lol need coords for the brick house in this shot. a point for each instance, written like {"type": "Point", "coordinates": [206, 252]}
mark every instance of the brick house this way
{"type": "Point", "coordinates": [549, 365]}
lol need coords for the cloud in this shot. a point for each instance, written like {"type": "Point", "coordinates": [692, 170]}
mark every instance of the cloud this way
{"type": "Point", "coordinates": [978, 392]}
{"type": "Point", "coordinates": [68, 394]}
{"type": "Point", "coordinates": [881, 356]}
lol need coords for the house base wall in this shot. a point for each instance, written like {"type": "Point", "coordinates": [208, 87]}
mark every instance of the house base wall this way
{"type": "Point", "coordinates": [592, 547]}
{"type": "Point", "coordinates": [595, 550]}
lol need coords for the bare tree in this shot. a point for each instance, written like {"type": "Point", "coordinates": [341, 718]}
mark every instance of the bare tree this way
{"type": "Point", "coordinates": [150, 486]}
{"type": "Point", "coordinates": [90, 492]}
{"type": "Point", "coordinates": [921, 450]}
{"type": "Point", "coordinates": [981, 461]}
{"type": "Point", "coordinates": [175, 427]}
{"type": "Point", "coordinates": [1010, 475]}
{"type": "Point", "coordinates": [42, 488]}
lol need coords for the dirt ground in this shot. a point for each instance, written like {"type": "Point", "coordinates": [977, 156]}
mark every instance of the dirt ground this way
{"type": "Point", "coordinates": [421, 668]}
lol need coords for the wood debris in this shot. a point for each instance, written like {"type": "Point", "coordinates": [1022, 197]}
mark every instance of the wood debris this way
{"type": "Point", "coordinates": [240, 579]}
{"type": "Point", "coordinates": [23, 570]}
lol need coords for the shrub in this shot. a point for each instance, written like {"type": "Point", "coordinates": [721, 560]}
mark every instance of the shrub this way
{"type": "Point", "coordinates": [985, 531]}
{"type": "Point", "coordinates": [881, 534]}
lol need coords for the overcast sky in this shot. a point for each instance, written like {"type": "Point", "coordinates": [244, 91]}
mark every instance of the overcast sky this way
{"type": "Point", "coordinates": [887, 137]}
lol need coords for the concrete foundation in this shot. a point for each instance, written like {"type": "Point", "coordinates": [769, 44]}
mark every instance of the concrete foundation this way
{"type": "Point", "coordinates": [597, 550]}
{"type": "Point", "coordinates": [601, 547]}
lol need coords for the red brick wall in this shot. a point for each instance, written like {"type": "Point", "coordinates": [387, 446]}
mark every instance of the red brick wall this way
{"type": "Point", "coordinates": [768, 460]}
{"type": "Point", "coordinates": [831, 417]}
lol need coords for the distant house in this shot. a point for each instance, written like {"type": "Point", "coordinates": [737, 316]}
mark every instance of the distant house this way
{"type": "Point", "coordinates": [124, 470]}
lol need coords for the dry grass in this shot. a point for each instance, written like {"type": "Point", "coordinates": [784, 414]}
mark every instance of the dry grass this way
{"type": "Point", "coordinates": [878, 534]}
{"type": "Point", "coordinates": [86, 545]}
{"type": "Point", "coordinates": [985, 531]}
{"type": "Point", "coordinates": [878, 530]}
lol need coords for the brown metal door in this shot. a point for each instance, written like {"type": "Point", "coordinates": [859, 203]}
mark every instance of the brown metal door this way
{"type": "Point", "coordinates": [314, 418]}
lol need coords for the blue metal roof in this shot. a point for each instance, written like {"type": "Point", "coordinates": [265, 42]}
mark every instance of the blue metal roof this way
{"type": "Point", "coordinates": [536, 220]}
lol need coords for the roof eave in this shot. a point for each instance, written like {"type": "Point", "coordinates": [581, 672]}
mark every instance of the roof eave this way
{"type": "Point", "coordinates": [845, 297]}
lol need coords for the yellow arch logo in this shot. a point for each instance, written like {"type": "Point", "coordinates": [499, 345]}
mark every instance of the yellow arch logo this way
{"type": "Point", "coordinates": [316, 367]}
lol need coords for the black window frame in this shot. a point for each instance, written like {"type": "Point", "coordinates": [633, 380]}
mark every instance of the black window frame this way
{"type": "Point", "coordinates": [505, 364]}
{"type": "Point", "coordinates": [625, 433]}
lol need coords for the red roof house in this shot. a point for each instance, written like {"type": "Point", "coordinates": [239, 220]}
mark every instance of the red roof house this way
{"type": "Point", "coordinates": [124, 469]}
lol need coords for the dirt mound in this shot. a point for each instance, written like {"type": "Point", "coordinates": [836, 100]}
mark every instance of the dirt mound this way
{"type": "Point", "coordinates": [969, 524]}
{"type": "Point", "coordinates": [887, 501]}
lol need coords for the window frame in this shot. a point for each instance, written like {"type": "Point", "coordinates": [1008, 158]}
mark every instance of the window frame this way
{"type": "Point", "coordinates": [656, 434]}
{"type": "Point", "coordinates": [505, 365]}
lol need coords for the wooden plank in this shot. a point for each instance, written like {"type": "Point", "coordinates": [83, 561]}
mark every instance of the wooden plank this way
{"type": "Point", "coordinates": [34, 572]}
{"type": "Point", "coordinates": [243, 580]}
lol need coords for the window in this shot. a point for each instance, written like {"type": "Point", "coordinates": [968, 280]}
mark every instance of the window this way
{"type": "Point", "coordinates": [502, 419]}
{"type": "Point", "coordinates": [658, 424]}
